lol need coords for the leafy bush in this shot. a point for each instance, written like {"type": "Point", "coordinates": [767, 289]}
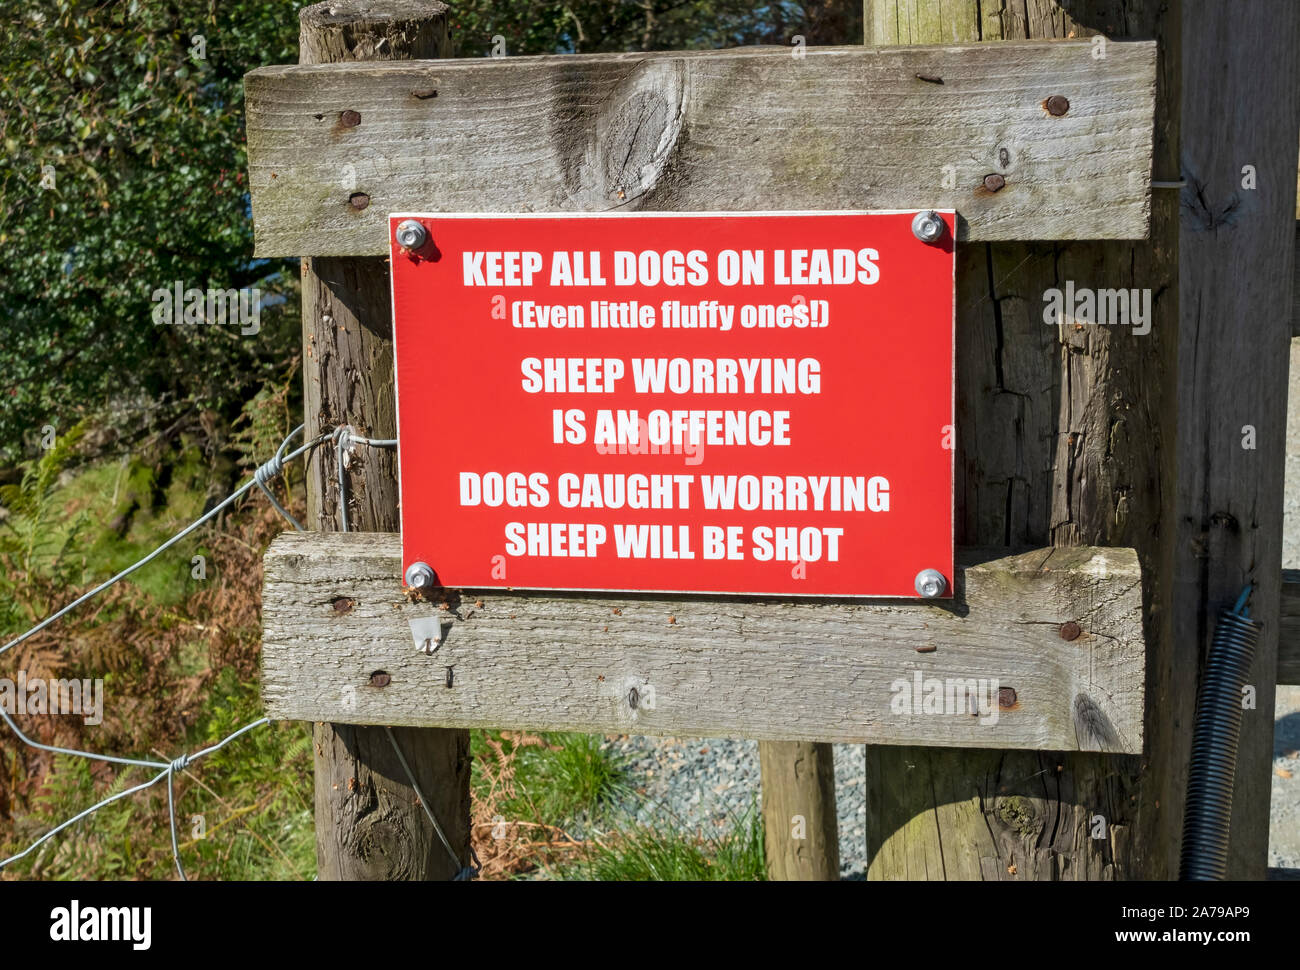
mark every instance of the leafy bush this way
{"type": "Point", "coordinates": [123, 171]}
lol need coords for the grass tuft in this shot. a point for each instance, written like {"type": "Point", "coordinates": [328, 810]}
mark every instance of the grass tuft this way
{"type": "Point", "coordinates": [660, 855]}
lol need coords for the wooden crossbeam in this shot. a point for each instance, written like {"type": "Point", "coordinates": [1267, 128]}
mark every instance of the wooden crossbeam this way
{"type": "Point", "coordinates": [1059, 630]}
{"type": "Point", "coordinates": [1035, 140]}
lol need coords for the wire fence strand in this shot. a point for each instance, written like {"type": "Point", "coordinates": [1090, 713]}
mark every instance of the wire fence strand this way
{"type": "Point", "coordinates": [210, 514]}
{"type": "Point", "coordinates": [344, 439]}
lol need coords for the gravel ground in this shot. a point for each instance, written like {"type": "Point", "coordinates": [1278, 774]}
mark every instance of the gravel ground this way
{"type": "Point", "coordinates": [1284, 828]}
{"type": "Point", "coordinates": [704, 784]}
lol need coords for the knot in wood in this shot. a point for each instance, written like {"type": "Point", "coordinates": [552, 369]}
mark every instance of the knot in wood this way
{"type": "Point", "coordinates": [637, 134]}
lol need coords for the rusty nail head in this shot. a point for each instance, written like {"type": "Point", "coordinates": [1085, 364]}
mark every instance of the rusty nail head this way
{"type": "Point", "coordinates": [358, 200]}
{"type": "Point", "coordinates": [1057, 105]}
{"type": "Point", "coordinates": [994, 182]}
{"type": "Point", "coordinates": [1070, 631]}
{"type": "Point", "coordinates": [1006, 697]}
{"type": "Point", "coordinates": [349, 118]}
{"type": "Point", "coordinates": [380, 678]}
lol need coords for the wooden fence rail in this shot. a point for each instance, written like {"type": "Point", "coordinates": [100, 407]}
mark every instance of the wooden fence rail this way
{"type": "Point", "coordinates": [743, 129]}
{"type": "Point", "coordinates": [1058, 630]}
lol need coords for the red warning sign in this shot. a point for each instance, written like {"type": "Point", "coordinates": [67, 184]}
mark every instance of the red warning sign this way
{"type": "Point", "coordinates": [714, 403]}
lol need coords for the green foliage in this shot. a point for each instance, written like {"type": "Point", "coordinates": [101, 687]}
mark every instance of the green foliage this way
{"type": "Point", "coordinates": [242, 813]}
{"type": "Point", "coordinates": [257, 803]}
{"type": "Point", "coordinates": [578, 775]}
{"type": "Point", "coordinates": [165, 692]}
{"type": "Point", "coordinates": [535, 27]}
{"type": "Point", "coordinates": [106, 844]}
{"type": "Point", "coordinates": [36, 535]}
{"type": "Point", "coordinates": [665, 855]}
{"type": "Point", "coordinates": [123, 171]}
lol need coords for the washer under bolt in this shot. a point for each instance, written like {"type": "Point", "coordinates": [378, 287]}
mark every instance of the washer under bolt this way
{"type": "Point", "coordinates": [927, 226]}
{"type": "Point", "coordinates": [419, 575]}
{"type": "Point", "coordinates": [411, 235]}
{"type": "Point", "coordinates": [930, 583]}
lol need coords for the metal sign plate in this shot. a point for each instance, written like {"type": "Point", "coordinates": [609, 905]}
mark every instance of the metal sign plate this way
{"type": "Point", "coordinates": [751, 403]}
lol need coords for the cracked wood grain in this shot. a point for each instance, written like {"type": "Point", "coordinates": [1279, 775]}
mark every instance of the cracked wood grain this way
{"type": "Point", "coordinates": [1235, 255]}
{"type": "Point", "coordinates": [1065, 437]}
{"type": "Point", "coordinates": [369, 823]}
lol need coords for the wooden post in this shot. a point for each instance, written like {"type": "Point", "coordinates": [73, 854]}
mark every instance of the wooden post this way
{"type": "Point", "coordinates": [1066, 436]}
{"type": "Point", "coordinates": [1241, 114]}
{"type": "Point", "coordinates": [800, 829]}
{"type": "Point", "coordinates": [369, 822]}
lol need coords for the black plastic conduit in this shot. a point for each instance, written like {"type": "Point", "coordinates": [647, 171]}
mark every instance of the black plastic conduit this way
{"type": "Point", "coordinates": [1214, 744]}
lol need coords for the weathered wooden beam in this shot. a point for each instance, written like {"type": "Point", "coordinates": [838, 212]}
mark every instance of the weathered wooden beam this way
{"type": "Point", "coordinates": [333, 148]}
{"type": "Point", "coordinates": [1295, 287]}
{"type": "Point", "coordinates": [370, 819]}
{"type": "Point", "coordinates": [1065, 436]}
{"type": "Point", "coordinates": [1288, 644]}
{"type": "Point", "coordinates": [335, 619]}
{"type": "Point", "coordinates": [1241, 104]}
{"type": "Point", "coordinates": [801, 839]}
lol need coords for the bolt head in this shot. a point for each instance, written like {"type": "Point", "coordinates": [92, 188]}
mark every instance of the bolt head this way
{"type": "Point", "coordinates": [411, 235]}
{"type": "Point", "coordinates": [927, 226]}
{"type": "Point", "coordinates": [930, 583]}
{"type": "Point", "coordinates": [419, 575]}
